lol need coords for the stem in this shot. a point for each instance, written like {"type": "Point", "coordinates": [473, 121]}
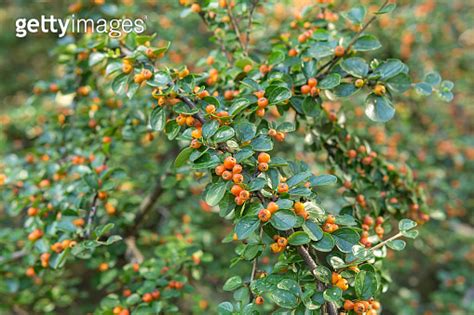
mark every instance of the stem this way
{"type": "Point", "coordinates": [381, 244]}
{"type": "Point", "coordinates": [236, 28]}
{"type": "Point", "coordinates": [335, 59]}
{"type": "Point", "coordinates": [93, 210]}
{"type": "Point", "coordinates": [249, 25]}
{"type": "Point", "coordinates": [255, 261]}
{"type": "Point", "coordinates": [193, 106]}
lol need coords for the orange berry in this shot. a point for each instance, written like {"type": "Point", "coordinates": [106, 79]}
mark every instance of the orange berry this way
{"type": "Point", "coordinates": [195, 144]}
{"type": "Point", "coordinates": [264, 215]}
{"type": "Point", "coordinates": [196, 133]}
{"type": "Point", "coordinates": [235, 190]}
{"type": "Point", "coordinates": [239, 201]}
{"type": "Point", "coordinates": [331, 219]}
{"type": "Point", "coordinates": [32, 211]}
{"type": "Point", "coordinates": [292, 52]}
{"type": "Point", "coordinates": [263, 157]}
{"type": "Point", "coordinates": [237, 169]}
{"type": "Point", "coordinates": [280, 136]}
{"type": "Point", "coordinates": [275, 248]}
{"type": "Point", "coordinates": [210, 109]}
{"type": "Point", "coordinates": [359, 307]}
{"type": "Point", "coordinates": [262, 102]}
{"type": "Point", "coordinates": [259, 300]}
{"type": "Point", "coordinates": [244, 194]}
{"type": "Point", "coordinates": [189, 121]}
{"type": "Point", "coordinates": [282, 188]}
{"type": "Point", "coordinates": [339, 51]}
{"type": "Point", "coordinates": [348, 305]}
{"type": "Point", "coordinates": [312, 82]}
{"type": "Point", "coordinates": [379, 90]}
{"type": "Point", "coordinates": [272, 207]}
{"type": "Point", "coordinates": [147, 298]}
{"type": "Point", "coordinates": [219, 170]}
{"type": "Point", "coordinates": [229, 162]}
{"type": "Point", "coordinates": [259, 94]}
{"type": "Point", "coordinates": [305, 89]}
{"type": "Point", "coordinates": [228, 95]}
{"type": "Point", "coordinates": [298, 207]}
{"type": "Point", "coordinates": [335, 277]}
{"type": "Point", "coordinates": [379, 221]}
{"type": "Point", "coordinates": [30, 272]}
{"type": "Point", "coordinates": [342, 284]}
{"type": "Point", "coordinates": [237, 178]}
{"type": "Point", "coordinates": [272, 132]}
{"type": "Point", "coordinates": [262, 167]}
{"type": "Point", "coordinates": [375, 305]}
{"type": "Point", "coordinates": [282, 242]}
{"type": "Point", "coordinates": [227, 175]}
{"type": "Point", "coordinates": [196, 8]}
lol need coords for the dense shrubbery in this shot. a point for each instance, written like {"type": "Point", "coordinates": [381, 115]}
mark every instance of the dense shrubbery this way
{"type": "Point", "coordinates": [116, 172]}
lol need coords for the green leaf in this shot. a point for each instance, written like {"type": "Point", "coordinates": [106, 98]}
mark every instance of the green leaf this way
{"type": "Point", "coordinates": [399, 83]}
{"type": "Point", "coordinates": [160, 79]}
{"type": "Point", "coordinates": [333, 294]}
{"type": "Point", "coordinates": [326, 244]}
{"type": "Point", "coordinates": [276, 57]}
{"type": "Point", "coordinates": [345, 89]}
{"type": "Point", "coordinates": [112, 239]}
{"type": "Point", "coordinates": [433, 78]}
{"type": "Point", "coordinates": [309, 69]}
{"type": "Point", "coordinates": [311, 106]}
{"type": "Point", "coordinates": [298, 238]}
{"type": "Point", "coordinates": [365, 284]}
{"type": "Point", "coordinates": [323, 180]}
{"type": "Point", "coordinates": [91, 180]}
{"type": "Point", "coordinates": [278, 95]}
{"type": "Point", "coordinates": [257, 184]}
{"type": "Point", "coordinates": [238, 105]}
{"type": "Point", "coordinates": [119, 84]}
{"type": "Point", "coordinates": [103, 229]}
{"type": "Point", "coordinates": [355, 66]}
{"type": "Point", "coordinates": [246, 226]}
{"type": "Point", "coordinates": [367, 43]}
{"type": "Point", "coordinates": [397, 244]}
{"type": "Point", "coordinates": [284, 298]}
{"type": "Point", "coordinates": [158, 119]}
{"type": "Point", "coordinates": [321, 50]}
{"type": "Point", "coordinates": [209, 128]}
{"type": "Point", "coordinates": [183, 157]}
{"type": "Point", "coordinates": [330, 81]}
{"type": "Point", "coordinates": [378, 108]}
{"type": "Point", "coordinates": [223, 134]}
{"type": "Point", "coordinates": [423, 88]}
{"type": "Point", "coordinates": [389, 69]}
{"type": "Point", "coordinates": [406, 224]}
{"type": "Point", "coordinates": [262, 143]}
{"type": "Point", "coordinates": [242, 155]}
{"type": "Point", "coordinates": [323, 274]}
{"type": "Point", "coordinates": [232, 283]}
{"type": "Point", "coordinates": [346, 238]}
{"type": "Point", "coordinates": [95, 58]}
{"type": "Point", "coordinates": [356, 14]}
{"type": "Point", "coordinates": [214, 193]}
{"type": "Point", "coordinates": [286, 126]}
{"type": "Point", "coordinates": [313, 230]}
{"type": "Point", "coordinates": [245, 131]}
{"type": "Point", "coordinates": [298, 178]}
{"type": "Point", "coordinates": [410, 234]}
{"type": "Point", "coordinates": [283, 220]}
{"type": "Point", "coordinates": [225, 308]}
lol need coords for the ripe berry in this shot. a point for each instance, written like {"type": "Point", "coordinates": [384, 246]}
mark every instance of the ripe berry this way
{"type": "Point", "coordinates": [237, 178]}
{"type": "Point", "coordinates": [259, 300]}
{"type": "Point", "coordinates": [305, 89]}
{"type": "Point", "coordinates": [379, 90]}
{"type": "Point", "coordinates": [196, 8]}
{"type": "Point", "coordinates": [272, 207]}
{"type": "Point", "coordinates": [260, 112]}
{"type": "Point", "coordinates": [342, 284]}
{"type": "Point", "coordinates": [282, 188]}
{"type": "Point", "coordinates": [275, 248]}
{"type": "Point", "coordinates": [331, 219]}
{"type": "Point", "coordinates": [263, 157]}
{"type": "Point", "coordinates": [235, 190]}
{"type": "Point", "coordinates": [375, 305]}
{"type": "Point", "coordinates": [195, 144]}
{"type": "Point", "coordinates": [262, 167]}
{"type": "Point", "coordinates": [339, 51]}
{"type": "Point", "coordinates": [229, 162]}
{"type": "Point", "coordinates": [359, 307]}
{"type": "Point", "coordinates": [189, 121]}
{"type": "Point", "coordinates": [368, 220]}
{"type": "Point", "coordinates": [226, 175]}
{"type": "Point", "coordinates": [219, 170]}
{"type": "Point", "coordinates": [359, 83]}
{"type": "Point", "coordinates": [335, 277]}
{"type": "Point", "coordinates": [312, 82]}
{"type": "Point", "coordinates": [196, 133]}
{"type": "Point", "coordinates": [293, 52]}
{"type": "Point", "coordinates": [147, 298]}
{"type": "Point", "coordinates": [262, 102]}
{"type": "Point", "coordinates": [272, 132]}
{"type": "Point", "coordinates": [348, 305]}
{"type": "Point", "coordinates": [237, 169]}
{"type": "Point", "coordinates": [245, 195]}
{"type": "Point", "coordinates": [264, 215]}
{"type": "Point", "coordinates": [379, 221]}
{"type": "Point", "coordinates": [210, 109]}
{"type": "Point", "coordinates": [282, 242]}
{"type": "Point", "coordinates": [352, 154]}
{"type": "Point", "coordinates": [32, 211]}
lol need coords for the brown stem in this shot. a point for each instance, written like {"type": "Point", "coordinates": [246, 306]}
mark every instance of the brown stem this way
{"type": "Point", "coordinates": [236, 28]}
{"type": "Point", "coordinates": [335, 59]}
{"type": "Point", "coordinates": [193, 106]}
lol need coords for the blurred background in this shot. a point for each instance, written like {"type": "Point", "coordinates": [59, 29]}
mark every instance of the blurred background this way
{"type": "Point", "coordinates": [435, 275]}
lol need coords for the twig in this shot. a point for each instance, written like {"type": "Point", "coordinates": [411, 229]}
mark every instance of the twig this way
{"type": "Point", "coordinates": [255, 261]}
{"type": "Point", "coordinates": [335, 59]}
{"type": "Point", "coordinates": [236, 28]}
{"type": "Point", "coordinates": [93, 210]}
{"type": "Point", "coordinates": [249, 26]}
{"type": "Point", "coordinates": [193, 106]}
{"type": "Point", "coordinates": [220, 41]}
{"type": "Point", "coordinates": [14, 256]}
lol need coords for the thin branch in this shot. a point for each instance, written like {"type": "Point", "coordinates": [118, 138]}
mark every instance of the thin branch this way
{"type": "Point", "coordinates": [93, 210]}
{"type": "Point", "coordinates": [220, 41]}
{"type": "Point", "coordinates": [193, 106]}
{"type": "Point", "coordinates": [335, 59]}
{"type": "Point", "coordinates": [255, 261]}
{"type": "Point", "coordinates": [381, 244]}
{"type": "Point", "coordinates": [253, 6]}
{"type": "Point", "coordinates": [236, 28]}
{"type": "Point", "coordinates": [14, 256]}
